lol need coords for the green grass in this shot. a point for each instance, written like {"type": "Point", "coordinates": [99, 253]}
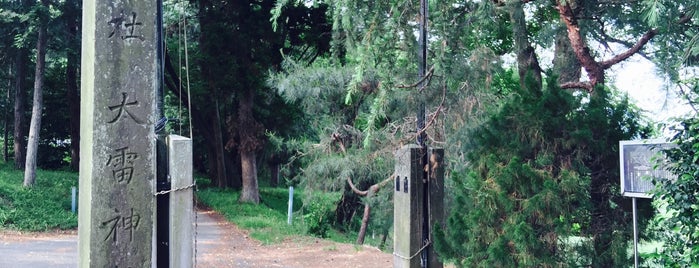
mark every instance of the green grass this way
{"type": "Point", "coordinates": [45, 206]}
{"type": "Point", "coordinates": [267, 222]}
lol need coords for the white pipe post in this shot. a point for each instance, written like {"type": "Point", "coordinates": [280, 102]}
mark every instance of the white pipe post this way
{"type": "Point", "coordinates": [635, 234]}
{"type": "Point", "coordinates": [73, 192]}
{"type": "Point", "coordinates": [291, 204]}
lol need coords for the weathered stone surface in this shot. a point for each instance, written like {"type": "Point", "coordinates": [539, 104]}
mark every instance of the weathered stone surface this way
{"type": "Point", "coordinates": [410, 204]}
{"type": "Point", "coordinates": [117, 169]}
{"type": "Point", "coordinates": [181, 201]}
{"type": "Point", "coordinates": [407, 213]}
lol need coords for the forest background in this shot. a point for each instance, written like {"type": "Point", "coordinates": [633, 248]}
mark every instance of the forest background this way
{"type": "Point", "coordinates": [319, 94]}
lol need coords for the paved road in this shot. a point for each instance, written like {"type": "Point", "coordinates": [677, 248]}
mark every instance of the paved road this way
{"type": "Point", "coordinates": [61, 250]}
{"type": "Point", "coordinates": [40, 252]}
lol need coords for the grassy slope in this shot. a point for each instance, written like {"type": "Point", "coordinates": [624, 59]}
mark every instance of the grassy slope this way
{"type": "Point", "coordinates": [43, 207]}
{"type": "Point", "coordinates": [266, 222]}
{"type": "Point", "coordinates": [47, 206]}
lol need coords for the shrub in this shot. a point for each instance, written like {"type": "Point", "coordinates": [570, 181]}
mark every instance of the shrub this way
{"type": "Point", "coordinates": [319, 211]}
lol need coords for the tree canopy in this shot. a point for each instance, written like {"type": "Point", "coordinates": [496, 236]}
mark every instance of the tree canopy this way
{"type": "Point", "coordinates": [321, 93]}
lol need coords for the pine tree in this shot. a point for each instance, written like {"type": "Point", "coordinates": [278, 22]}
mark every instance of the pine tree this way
{"type": "Point", "coordinates": [528, 187]}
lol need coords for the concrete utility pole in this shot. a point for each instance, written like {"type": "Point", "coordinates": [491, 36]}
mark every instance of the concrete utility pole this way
{"type": "Point", "coordinates": [422, 70]}
{"type": "Point", "coordinates": [117, 170]}
{"type": "Point", "coordinates": [419, 182]}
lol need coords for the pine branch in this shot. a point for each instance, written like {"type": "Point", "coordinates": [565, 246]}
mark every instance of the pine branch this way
{"type": "Point", "coordinates": [372, 189]}
{"type": "Point", "coordinates": [428, 77]}
{"type": "Point", "coordinates": [625, 43]}
{"type": "Point", "coordinates": [691, 102]}
{"type": "Point", "coordinates": [631, 51]}
{"type": "Point", "coordinates": [354, 188]}
{"type": "Point", "coordinates": [575, 85]}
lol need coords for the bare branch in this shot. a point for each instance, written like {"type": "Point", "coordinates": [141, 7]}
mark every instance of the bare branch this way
{"type": "Point", "coordinates": [633, 50]}
{"type": "Point", "coordinates": [624, 43]}
{"type": "Point", "coordinates": [575, 85]}
{"type": "Point", "coordinates": [502, 2]}
{"type": "Point", "coordinates": [337, 138]}
{"type": "Point", "coordinates": [428, 77]}
{"type": "Point", "coordinates": [436, 113]}
{"type": "Point", "coordinates": [372, 189]}
{"type": "Point", "coordinates": [354, 188]}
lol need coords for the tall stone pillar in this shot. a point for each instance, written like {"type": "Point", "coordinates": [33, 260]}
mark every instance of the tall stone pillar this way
{"type": "Point", "coordinates": [117, 146]}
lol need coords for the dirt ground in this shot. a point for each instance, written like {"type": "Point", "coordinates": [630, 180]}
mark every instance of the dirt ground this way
{"type": "Point", "coordinates": [236, 249]}
{"type": "Point", "coordinates": [219, 244]}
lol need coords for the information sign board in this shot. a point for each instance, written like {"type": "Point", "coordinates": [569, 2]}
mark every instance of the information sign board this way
{"type": "Point", "coordinates": [640, 162]}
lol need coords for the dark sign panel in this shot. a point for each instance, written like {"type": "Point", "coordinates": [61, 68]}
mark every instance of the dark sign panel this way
{"type": "Point", "coordinates": [641, 161]}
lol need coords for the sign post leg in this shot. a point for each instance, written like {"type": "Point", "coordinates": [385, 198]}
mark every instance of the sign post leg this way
{"type": "Point", "coordinates": [635, 234]}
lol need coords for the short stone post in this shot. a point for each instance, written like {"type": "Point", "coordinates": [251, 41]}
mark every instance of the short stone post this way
{"type": "Point", "coordinates": [418, 200]}
{"type": "Point", "coordinates": [407, 213]}
{"type": "Point", "coordinates": [181, 201]}
{"type": "Point", "coordinates": [117, 167]}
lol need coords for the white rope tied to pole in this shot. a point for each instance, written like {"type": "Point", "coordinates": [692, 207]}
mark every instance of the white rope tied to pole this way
{"type": "Point", "coordinates": [416, 253]}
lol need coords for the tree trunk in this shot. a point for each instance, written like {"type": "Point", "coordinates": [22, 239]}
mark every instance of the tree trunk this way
{"type": "Point", "coordinates": [373, 189]}
{"type": "Point", "coordinates": [565, 63]}
{"type": "Point", "coordinates": [274, 170]}
{"type": "Point", "coordinates": [219, 157]}
{"type": "Point", "coordinates": [248, 164]}
{"type": "Point", "coordinates": [37, 107]}
{"type": "Point", "coordinates": [384, 235]}
{"type": "Point", "coordinates": [365, 223]}
{"type": "Point", "coordinates": [211, 115]}
{"type": "Point", "coordinates": [595, 69]}
{"type": "Point", "coordinates": [595, 72]}
{"type": "Point", "coordinates": [233, 170]}
{"type": "Point", "coordinates": [248, 130]}
{"type": "Point", "coordinates": [527, 63]}
{"type": "Point", "coordinates": [6, 151]}
{"type": "Point", "coordinates": [6, 122]}
{"type": "Point", "coordinates": [210, 130]}
{"type": "Point", "coordinates": [21, 61]}
{"type": "Point", "coordinates": [73, 93]}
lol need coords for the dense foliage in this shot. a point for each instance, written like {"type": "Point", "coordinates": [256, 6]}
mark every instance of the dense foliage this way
{"type": "Point", "coordinates": [539, 188]}
{"type": "Point", "coordinates": [679, 226]}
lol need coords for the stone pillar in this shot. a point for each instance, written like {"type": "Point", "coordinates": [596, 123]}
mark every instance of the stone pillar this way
{"type": "Point", "coordinates": [407, 211]}
{"type": "Point", "coordinates": [181, 201]}
{"type": "Point", "coordinates": [117, 146]}
{"type": "Point", "coordinates": [418, 200]}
